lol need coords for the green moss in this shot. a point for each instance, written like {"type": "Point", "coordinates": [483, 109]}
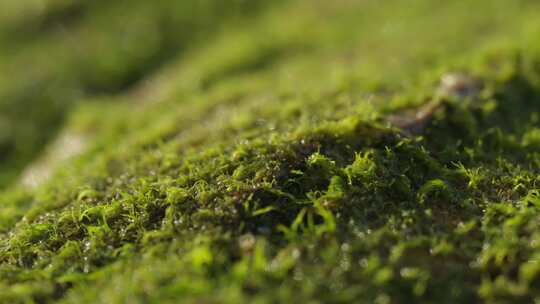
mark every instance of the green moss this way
{"type": "Point", "coordinates": [260, 165]}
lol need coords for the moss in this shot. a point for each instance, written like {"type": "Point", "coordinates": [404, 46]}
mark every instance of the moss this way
{"type": "Point", "coordinates": [252, 169]}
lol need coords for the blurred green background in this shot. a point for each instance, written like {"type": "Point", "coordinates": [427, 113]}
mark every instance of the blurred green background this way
{"type": "Point", "coordinates": [56, 53]}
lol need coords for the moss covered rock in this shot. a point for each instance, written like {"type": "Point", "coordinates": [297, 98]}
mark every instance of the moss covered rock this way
{"type": "Point", "coordinates": [322, 151]}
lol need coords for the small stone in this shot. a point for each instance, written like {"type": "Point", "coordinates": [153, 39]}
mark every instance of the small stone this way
{"type": "Point", "coordinates": [458, 85]}
{"type": "Point", "coordinates": [452, 85]}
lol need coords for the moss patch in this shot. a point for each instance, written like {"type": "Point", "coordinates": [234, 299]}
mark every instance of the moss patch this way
{"type": "Point", "coordinates": [262, 166]}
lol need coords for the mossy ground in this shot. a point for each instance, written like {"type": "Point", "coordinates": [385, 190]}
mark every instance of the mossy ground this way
{"type": "Point", "coordinates": [240, 151]}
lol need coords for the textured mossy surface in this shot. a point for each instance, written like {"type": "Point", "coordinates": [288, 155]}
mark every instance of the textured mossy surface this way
{"type": "Point", "coordinates": [243, 151]}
